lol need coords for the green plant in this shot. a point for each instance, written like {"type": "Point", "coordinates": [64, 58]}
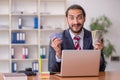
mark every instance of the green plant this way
{"type": "Point", "coordinates": [103, 23]}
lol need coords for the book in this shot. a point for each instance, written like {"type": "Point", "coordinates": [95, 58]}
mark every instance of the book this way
{"type": "Point", "coordinates": [44, 75]}
{"type": "Point", "coordinates": [14, 76]}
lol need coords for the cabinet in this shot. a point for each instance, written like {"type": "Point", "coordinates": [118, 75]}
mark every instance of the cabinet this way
{"type": "Point", "coordinates": [25, 28]}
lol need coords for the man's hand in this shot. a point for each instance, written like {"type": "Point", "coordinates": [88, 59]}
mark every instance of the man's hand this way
{"type": "Point", "coordinates": [56, 44]}
{"type": "Point", "coordinates": [98, 45]}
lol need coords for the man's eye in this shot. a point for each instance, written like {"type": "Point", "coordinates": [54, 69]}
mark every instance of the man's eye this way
{"type": "Point", "coordinates": [71, 18]}
{"type": "Point", "coordinates": [80, 17]}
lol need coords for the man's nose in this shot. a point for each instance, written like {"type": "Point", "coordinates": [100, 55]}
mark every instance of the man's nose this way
{"type": "Point", "coordinates": [75, 21]}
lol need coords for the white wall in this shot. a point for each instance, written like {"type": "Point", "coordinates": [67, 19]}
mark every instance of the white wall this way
{"type": "Point", "coordinates": [110, 8]}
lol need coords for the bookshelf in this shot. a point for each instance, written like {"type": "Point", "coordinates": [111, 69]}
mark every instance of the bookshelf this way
{"type": "Point", "coordinates": [52, 19]}
{"type": "Point", "coordinates": [25, 27]}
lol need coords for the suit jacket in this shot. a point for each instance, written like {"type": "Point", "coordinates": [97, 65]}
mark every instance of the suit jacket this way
{"type": "Point", "coordinates": [67, 43]}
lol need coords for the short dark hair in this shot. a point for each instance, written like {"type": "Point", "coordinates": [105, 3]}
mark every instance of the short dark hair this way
{"type": "Point", "coordinates": [75, 6]}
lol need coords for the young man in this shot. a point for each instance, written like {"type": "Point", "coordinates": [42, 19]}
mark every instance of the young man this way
{"type": "Point", "coordinates": [75, 16]}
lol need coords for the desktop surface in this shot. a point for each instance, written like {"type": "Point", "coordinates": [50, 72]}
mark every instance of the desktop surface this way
{"type": "Point", "coordinates": [111, 75]}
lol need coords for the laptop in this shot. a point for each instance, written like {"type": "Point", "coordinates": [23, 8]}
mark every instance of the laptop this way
{"type": "Point", "coordinates": [80, 63]}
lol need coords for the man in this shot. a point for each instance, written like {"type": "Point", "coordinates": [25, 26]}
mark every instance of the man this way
{"type": "Point", "coordinates": [75, 16]}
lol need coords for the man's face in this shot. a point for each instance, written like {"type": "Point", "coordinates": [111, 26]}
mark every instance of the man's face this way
{"type": "Point", "coordinates": [75, 20]}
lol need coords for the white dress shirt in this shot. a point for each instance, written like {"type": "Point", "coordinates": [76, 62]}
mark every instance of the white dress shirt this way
{"type": "Point", "coordinates": [81, 35]}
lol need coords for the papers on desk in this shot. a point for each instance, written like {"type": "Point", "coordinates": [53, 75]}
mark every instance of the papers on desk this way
{"type": "Point", "coordinates": [14, 76]}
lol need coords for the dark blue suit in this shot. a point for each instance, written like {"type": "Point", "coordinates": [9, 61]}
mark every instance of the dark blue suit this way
{"type": "Point", "coordinates": [67, 43]}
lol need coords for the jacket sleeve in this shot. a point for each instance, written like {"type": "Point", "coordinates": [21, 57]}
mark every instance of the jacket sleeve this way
{"type": "Point", "coordinates": [53, 66]}
{"type": "Point", "coordinates": [102, 62]}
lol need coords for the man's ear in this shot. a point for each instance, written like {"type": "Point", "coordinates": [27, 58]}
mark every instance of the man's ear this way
{"type": "Point", "coordinates": [84, 19]}
{"type": "Point", "coordinates": [66, 19]}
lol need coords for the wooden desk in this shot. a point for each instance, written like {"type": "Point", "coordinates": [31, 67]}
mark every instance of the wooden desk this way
{"type": "Point", "coordinates": [102, 76]}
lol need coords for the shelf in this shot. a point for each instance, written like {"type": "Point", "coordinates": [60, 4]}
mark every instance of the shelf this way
{"type": "Point", "coordinates": [4, 6]}
{"type": "Point", "coordinates": [50, 22]}
{"type": "Point", "coordinates": [44, 59]}
{"type": "Point", "coordinates": [4, 39]}
{"type": "Point", "coordinates": [4, 44]}
{"type": "Point", "coordinates": [26, 22]}
{"type": "Point", "coordinates": [15, 41]}
{"type": "Point", "coordinates": [24, 44]}
{"type": "Point", "coordinates": [25, 14]}
{"type": "Point", "coordinates": [24, 59]}
{"type": "Point", "coordinates": [4, 14]}
{"type": "Point", "coordinates": [4, 22]}
{"type": "Point", "coordinates": [6, 66]}
{"type": "Point", "coordinates": [4, 60]}
{"type": "Point", "coordinates": [3, 29]}
{"type": "Point", "coordinates": [44, 44]}
{"type": "Point", "coordinates": [42, 14]}
{"type": "Point", "coordinates": [52, 0]}
{"type": "Point", "coordinates": [24, 6]}
{"type": "Point", "coordinates": [29, 28]}
{"type": "Point", "coordinates": [51, 30]}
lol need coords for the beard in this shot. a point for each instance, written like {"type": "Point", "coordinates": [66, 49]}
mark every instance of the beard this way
{"type": "Point", "coordinates": [76, 25]}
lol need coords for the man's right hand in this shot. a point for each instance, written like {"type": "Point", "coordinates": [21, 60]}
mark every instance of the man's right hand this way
{"type": "Point", "coordinates": [56, 44]}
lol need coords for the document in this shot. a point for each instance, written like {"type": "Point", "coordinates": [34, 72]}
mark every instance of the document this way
{"type": "Point", "coordinates": [14, 76]}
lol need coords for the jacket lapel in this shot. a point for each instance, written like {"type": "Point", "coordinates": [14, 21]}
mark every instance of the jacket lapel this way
{"type": "Point", "coordinates": [68, 40]}
{"type": "Point", "coordinates": [86, 40]}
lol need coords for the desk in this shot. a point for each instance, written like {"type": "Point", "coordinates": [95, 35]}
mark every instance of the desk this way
{"type": "Point", "coordinates": [102, 76]}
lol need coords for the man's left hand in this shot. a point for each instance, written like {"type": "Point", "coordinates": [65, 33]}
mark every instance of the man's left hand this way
{"type": "Point", "coordinates": [98, 45]}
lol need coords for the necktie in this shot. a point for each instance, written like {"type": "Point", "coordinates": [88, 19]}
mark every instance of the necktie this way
{"type": "Point", "coordinates": [76, 42]}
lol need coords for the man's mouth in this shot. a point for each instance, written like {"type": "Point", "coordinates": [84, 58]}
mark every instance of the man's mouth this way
{"type": "Point", "coordinates": [76, 25]}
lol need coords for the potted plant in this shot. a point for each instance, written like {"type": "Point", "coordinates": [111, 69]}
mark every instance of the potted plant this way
{"type": "Point", "coordinates": [103, 23]}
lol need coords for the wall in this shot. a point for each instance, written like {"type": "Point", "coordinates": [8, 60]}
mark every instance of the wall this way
{"type": "Point", "coordinates": [110, 8]}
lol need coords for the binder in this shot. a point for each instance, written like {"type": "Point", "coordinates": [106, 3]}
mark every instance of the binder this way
{"type": "Point", "coordinates": [20, 23]}
{"type": "Point", "coordinates": [35, 67]}
{"type": "Point", "coordinates": [23, 37]}
{"type": "Point", "coordinates": [23, 53]}
{"type": "Point", "coordinates": [43, 53]}
{"type": "Point", "coordinates": [18, 37]}
{"type": "Point", "coordinates": [20, 41]}
{"type": "Point", "coordinates": [26, 53]}
{"type": "Point", "coordinates": [14, 37]}
{"type": "Point", "coordinates": [12, 53]}
{"type": "Point", "coordinates": [36, 23]}
{"type": "Point", "coordinates": [14, 67]}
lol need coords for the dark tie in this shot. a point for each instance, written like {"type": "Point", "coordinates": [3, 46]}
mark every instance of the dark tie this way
{"type": "Point", "coordinates": [76, 42]}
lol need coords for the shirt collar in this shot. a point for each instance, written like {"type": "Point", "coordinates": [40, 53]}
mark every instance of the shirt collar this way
{"type": "Point", "coordinates": [81, 35]}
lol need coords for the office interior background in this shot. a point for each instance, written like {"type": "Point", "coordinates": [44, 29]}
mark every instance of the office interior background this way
{"type": "Point", "coordinates": [93, 8]}
{"type": "Point", "coordinates": [109, 8]}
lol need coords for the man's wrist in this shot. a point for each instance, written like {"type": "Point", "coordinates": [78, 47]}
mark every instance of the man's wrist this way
{"type": "Point", "coordinates": [58, 56]}
{"type": "Point", "coordinates": [57, 59]}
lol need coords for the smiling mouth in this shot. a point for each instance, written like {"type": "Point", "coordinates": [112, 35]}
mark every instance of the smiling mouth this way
{"type": "Point", "coordinates": [76, 25]}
